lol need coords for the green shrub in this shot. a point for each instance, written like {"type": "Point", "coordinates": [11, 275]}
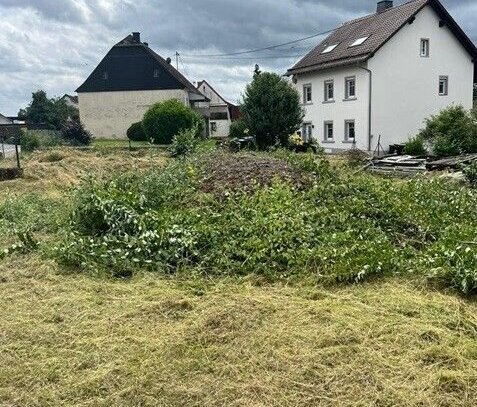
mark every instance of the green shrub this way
{"type": "Point", "coordinates": [29, 141]}
{"type": "Point", "coordinates": [453, 131]}
{"type": "Point", "coordinates": [271, 108]}
{"type": "Point", "coordinates": [239, 129]}
{"type": "Point", "coordinates": [75, 134]}
{"type": "Point", "coordinates": [185, 143]}
{"type": "Point", "coordinates": [470, 173]}
{"type": "Point", "coordinates": [166, 119]}
{"type": "Point", "coordinates": [415, 146]}
{"type": "Point", "coordinates": [136, 132]}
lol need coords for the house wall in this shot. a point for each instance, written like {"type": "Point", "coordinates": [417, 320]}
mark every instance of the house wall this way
{"type": "Point", "coordinates": [222, 126]}
{"type": "Point", "coordinates": [5, 120]}
{"type": "Point", "coordinates": [338, 111]}
{"type": "Point", "coordinates": [405, 85]}
{"type": "Point", "coordinates": [110, 114]}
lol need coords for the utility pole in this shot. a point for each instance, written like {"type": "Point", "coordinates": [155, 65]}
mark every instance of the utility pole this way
{"type": "Point", "coordinates": [177, 60]}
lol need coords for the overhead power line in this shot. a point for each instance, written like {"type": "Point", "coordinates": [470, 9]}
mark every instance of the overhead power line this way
{"type": "Point", "coordinates": [260, 49]}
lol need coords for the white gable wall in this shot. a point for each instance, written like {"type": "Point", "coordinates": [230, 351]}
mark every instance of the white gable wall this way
{"type": "Point", "coordinates": [338, 111]}
{"type": "Point", "coordinates": [110, 114]}
{"type": "Point", "coordinates": [405, 85]}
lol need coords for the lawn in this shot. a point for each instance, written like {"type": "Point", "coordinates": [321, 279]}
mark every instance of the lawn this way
{"type": "Point", "coordinates": [75, 339]}
{"type": "Point", "coordinates": [121, 144]}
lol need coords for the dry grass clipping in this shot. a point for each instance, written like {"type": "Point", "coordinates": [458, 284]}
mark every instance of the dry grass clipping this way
{"type": "Point", "coordinates": [76, 341]}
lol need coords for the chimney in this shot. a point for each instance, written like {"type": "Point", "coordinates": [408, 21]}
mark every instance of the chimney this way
{"type": "Point", "coordinates": [137, 37]}
{"type": "Point", "coordinates": [384, 5]}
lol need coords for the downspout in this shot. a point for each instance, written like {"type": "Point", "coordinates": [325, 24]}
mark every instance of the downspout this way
{"type": "Point", "coordinates": [370, 105]}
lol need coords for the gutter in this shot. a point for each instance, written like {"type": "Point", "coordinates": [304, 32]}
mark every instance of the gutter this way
{"type": "Point", "coordinates": [370, 106]}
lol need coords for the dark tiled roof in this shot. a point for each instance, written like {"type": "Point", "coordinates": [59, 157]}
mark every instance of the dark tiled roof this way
{"type": "Point", "coordinates": [379, 27]}
{"type": "Point", "coordinates": [130, 65]}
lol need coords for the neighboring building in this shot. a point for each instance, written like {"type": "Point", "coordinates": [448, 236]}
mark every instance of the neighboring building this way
{"type": "Point", "coordinates": [71, 101]}
{"type": "Point", "coordinates": [5, 120]}
{"type": "Point", "coordinates": [130, 79]}
{"type": "Point", "coordinates": [221, 112]}
{"type": "Point", "coordinates": [383, 74]}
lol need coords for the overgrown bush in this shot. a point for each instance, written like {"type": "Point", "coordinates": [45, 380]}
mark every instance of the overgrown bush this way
{"type": "Point", "coordinates": [453, 131]}
{"type": "Point", "coordinates": [339, 228]}
{"type": "Point", "coordinates": [470, 173]}
{"type": "Point", "coordinates": [29, 141]}
{"type": "Point", "coordinates": [239, 129]}
{"type": "Point", "coordinates": [166, 119]}
{"type": "Point", "coordinates": [75, 134]}
{"type": "Point", "coordinates": [185, 143]}
{"type": "Point", "coordinates": [415, 146]}
{"type": "Point", "coordinates": [136, 132]}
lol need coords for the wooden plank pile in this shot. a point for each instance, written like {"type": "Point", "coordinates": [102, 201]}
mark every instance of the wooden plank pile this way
{"type": "Point", "coordinates": [398, 165]}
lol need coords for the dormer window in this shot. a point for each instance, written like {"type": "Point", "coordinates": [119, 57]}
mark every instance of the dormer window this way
{"type": "Point", "coordinates": [424, 47]}
{"type": "Point", "coordinates": [105, 75]}
{"type": "Point", "coordinates": [359, 41]}
{"type": "Point", "coordinates": [330, 48]}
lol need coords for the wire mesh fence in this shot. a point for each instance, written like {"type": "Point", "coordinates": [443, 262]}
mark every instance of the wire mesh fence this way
{"type": "Point", "coordinates": [10, 149]}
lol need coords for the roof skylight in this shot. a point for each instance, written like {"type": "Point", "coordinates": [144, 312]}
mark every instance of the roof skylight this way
{"type": "Point", "coordinates": [330, 48]}
{"type": "Point", "coordinates": [359, 41]}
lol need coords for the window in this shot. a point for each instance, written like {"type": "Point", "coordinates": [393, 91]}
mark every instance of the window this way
{"type": "Point", "coordinates": [329, 131]}
{"type": "Point", "coordinates": [307, 132]}
{"type": "Point", "coordinates": [156, 73]}
{"type": "Point", "coordinates": [329, 91]}
{"type": "Point", "coordinates": [307, 95]}
{"type": "Point", "coordinates": [424, 47]}
{"type": "Point", "coordinates": [350, 87]}
{"type": "Point", "coordinates": [213, 127]}
{"type": "Point", "coordinates": [330, 48]}
{"type": "Point", "coordinates": [359, 41]}
{"type": "Point", "coordinates": [350, 134]}
{"type": "Point", "coordinates": [443, 85]}
{"type": "Point", "coordinates": [105, 75]}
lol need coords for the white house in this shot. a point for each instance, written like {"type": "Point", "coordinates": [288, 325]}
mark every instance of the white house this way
{"type": "Point", "coordinates": [379, 76]}
{"type": "Point", "coordinates": [5, 120]}
{"type": "Point", "coordinates": [70, 100]}
{"type": "Point", "coordinates": [221, 112]}
{"type": "Point", "coordinates": [129, 80]}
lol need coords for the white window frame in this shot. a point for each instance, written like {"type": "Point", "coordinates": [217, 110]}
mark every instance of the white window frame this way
{"type": "Point", "coordinates": [105, 75]}
{"type": "Point", "coordinates": [348, 81]}
{"type": "Point", "coordinates": [307, 132]}
{"type": "Point", "coordinates": [327, 124]}
{"type": "Point", "coordinates": [359, 41]}
{"type": "Point", "coordinates": [327, 84]}
{"type": "Point", "coordinates": [307, 87]}
{"type": "Point", "coordinates": [330, 48]}
{"type": "Point", "coordinates": [444, 79]}
{"type": "Point", "coordinates": [349, 139]}
{"type": "Point", "coordinates": [424, 49]}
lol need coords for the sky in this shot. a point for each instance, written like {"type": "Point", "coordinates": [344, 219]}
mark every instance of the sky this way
{"type": "Point", "coordinates": [55, 44]}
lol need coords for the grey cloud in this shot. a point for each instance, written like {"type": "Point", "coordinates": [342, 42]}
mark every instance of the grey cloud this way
{"type": "Point", "coordinates": [55, 44]}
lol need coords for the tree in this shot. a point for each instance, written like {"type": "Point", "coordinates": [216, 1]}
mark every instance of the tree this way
{"type": "Point", "coordinates": [52, 113]}
{"type": "Point", "coordinates": [165, 120]}
{"type": "Point", "coordinates": [271, 109]}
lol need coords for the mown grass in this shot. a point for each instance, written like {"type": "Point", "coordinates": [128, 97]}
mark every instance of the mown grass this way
{"type": "Point", "coordinates": [79, 341]}
{"type": "Point", "coordinates": [69, 339]}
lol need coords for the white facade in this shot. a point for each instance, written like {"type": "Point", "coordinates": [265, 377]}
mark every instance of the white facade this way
{"type": "Point", "coordinates": [404, 88]}
{"type": "Point", "coordinates": [5, 120]}
{"type": "Point", "coordinates": [110, 114]}
{"type": "Point", "coordinates": [220, 120]}
{"type": "Point", "coordinates": [337, 111]}
{"type": "Point", "coordinates": [406, 85]}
